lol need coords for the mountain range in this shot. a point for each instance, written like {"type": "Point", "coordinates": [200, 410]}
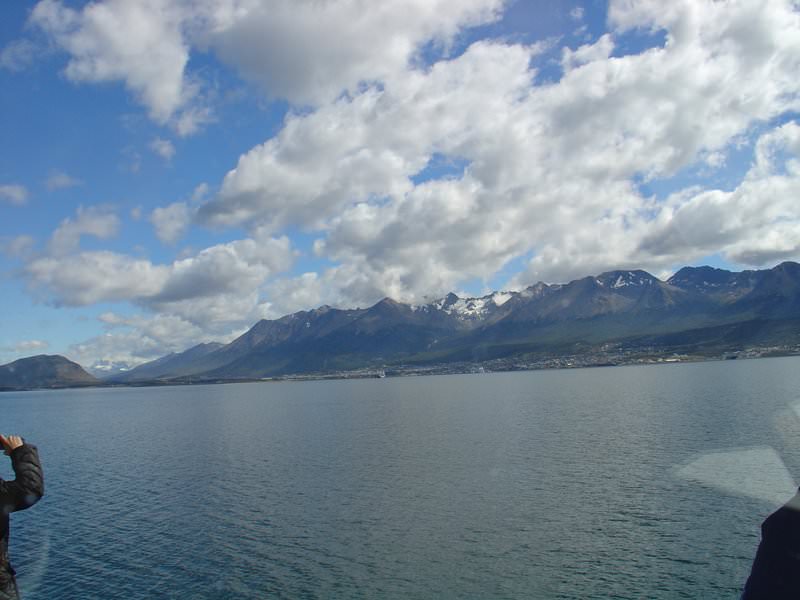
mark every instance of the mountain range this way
{"type": "Point", "coordinates": [699, 309]}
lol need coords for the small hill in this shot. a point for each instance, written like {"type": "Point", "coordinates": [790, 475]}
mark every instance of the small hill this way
{"type": "Point", "coordinates": [44, 371]}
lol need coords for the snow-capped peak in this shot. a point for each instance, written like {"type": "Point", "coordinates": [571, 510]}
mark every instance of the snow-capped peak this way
{"type": "Point", "coordinates": [468, 308]}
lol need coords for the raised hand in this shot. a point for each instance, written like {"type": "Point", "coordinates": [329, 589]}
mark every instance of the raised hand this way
{"type": "Point", "coordinates": [10, 443]}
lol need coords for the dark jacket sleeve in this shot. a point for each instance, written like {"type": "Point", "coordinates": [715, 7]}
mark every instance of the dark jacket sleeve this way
{"type": "Point", "coordinates": [28, 486]}
{"type": "Point", "coordinates": [776, 569]}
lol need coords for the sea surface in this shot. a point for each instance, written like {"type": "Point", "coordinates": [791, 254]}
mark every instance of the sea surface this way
{"type": "Point", "coordinates": [626, 482]}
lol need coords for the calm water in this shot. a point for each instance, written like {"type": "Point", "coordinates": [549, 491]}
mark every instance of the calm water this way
{"type": "Point", "coordinates": [552, 484]}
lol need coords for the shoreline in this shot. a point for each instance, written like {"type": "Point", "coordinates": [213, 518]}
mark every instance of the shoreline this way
{"type": "Point", "coordinates": [590, 361]}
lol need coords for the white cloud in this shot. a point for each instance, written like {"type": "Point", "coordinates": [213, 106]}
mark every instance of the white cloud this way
{"type": "Point", "coordinates": [27, 346]}
{"type": "Point", "coordinates": [288, 295]}
{"type": "Point", "coordinates": [171, 221]}
{"type": "Point", "coordinates": [96, 276]}
{"type": "Point", "coordinates": [768, 161]}
{"type": "Point", "coordinates": [353, 150]}
{"type": "Point", "coordinates": [757, 224]}
{"type": "Point", "coordinates": [14, 193]}
{"type": "Point", "coordinates": [599, 50]}
{"type": "Point", "coordinates": [225, 269]}
{"type": "Point", "coordinates": [216, 290]}
{"type": "Point", "coordinates": [305, 51]}
{"type": "Point", "coordinates": [309, 52]}
{"type": "Point", "coordinates": [112, 319]}
{"type": "Point", "coordinates": [193, 119]}
{"type": "Point", "coordinates": [57, 180]}
{"type": "Point", "coordinates": [96, 221]}
{"type": "Point", "coordinates": [164, 148]}
{"type": "Point", "coordinates": [576, 14]}
{"type": "Point", "coordinates": [128, 347]}
{"type": "Point", "coordinates": [139, 42]}
{"type": "Point", "coordinates": [139, 338]}
{"type": "Point", "coordinates": [549, 168]}
{"type": "Point", "coordinates": [200, 192]}
{"type": "Point", "coordinates": [715, 160]}
{"type": "Point", "coordinates": [20, 246]}
{"type": "Point", "coordinates": [222, 280]}
{"type": "Point", "coordinates": [213, 296]}
{"type": "Point", "coordinates": [18, 55]}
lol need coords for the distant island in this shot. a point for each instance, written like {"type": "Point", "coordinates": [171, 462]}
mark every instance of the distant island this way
{"type": "Point", "coordinates": [617, 317]}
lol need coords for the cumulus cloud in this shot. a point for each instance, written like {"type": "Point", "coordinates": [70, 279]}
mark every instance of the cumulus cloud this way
{"type": "Point", "coordinates": [58, 180]}
{"type": "Point", "coordinates": [217, 281]}
{"type": "Point", "coordinates": [128, 347]}
{"type": "Point", "coordinates": [135, 339]}
{"type": "Point", "coordinates": [163, 148]}
{"type": "Point", "coordinates": [171, 221]}
{"type": "Point", "coordinates": [14, 193]}
{"type": "Point", "coordinates": [215, 290]}
{"type": "Point", "coordinates": [97, 221]}
{"type": "Point", "coordinates": [757, 223]}
{"type": "Point", "coordinates": [214, 296]}
{"type": "Point", "coordinates": [599, 50]}
{"type": "Point", "coordinates": [89, 277]}
{"type": "Point", "coordinates": [306, 290]}
{"type": "Point", "coordinates": [550, 170]}
{"type": "Point", "coordinates": [137, 42]}
{"type": "Point", "coordinates": [307, 52]}
{"type": "Point", "coordinates": [369, 146]}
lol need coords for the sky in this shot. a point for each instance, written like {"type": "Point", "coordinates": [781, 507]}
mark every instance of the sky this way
{"type": "Point", "coordinates": [172, 171]}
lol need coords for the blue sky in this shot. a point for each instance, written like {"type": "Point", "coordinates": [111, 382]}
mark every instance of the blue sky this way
{"type": "Point", "coordinates": [173, 170]}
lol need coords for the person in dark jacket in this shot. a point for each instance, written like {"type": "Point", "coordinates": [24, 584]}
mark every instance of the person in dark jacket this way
{"type": "Point", "coordinates": [776, 569]}
{"type": "Point", "coordinates": [15, 495]}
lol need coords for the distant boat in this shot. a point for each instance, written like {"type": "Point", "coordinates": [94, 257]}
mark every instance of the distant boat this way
{"type": "Point", "coordinates": [381, 374]}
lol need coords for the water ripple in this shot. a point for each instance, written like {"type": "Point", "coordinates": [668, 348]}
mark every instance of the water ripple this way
{"type": "Point", "coordinates": [530, 485]}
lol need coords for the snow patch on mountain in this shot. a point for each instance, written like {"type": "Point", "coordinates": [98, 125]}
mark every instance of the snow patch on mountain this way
{"type": "Point", "coordinates": [537, 290]}
{"type": "Point", "coordinates": [620, 279]}
{"type": "Point", "coordinates": [501, 298]}
{"type": "Point", "coordinates": [469, 307]}
{"type": "Point", "coordinates": [466, 308]}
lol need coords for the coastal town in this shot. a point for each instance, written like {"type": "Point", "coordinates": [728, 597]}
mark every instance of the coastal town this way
{"type": "Point", "coordinates": [606, 357]}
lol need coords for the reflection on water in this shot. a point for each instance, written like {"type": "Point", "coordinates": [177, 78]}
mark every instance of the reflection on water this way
{"type": "Point", "coordinates": [591, 483]}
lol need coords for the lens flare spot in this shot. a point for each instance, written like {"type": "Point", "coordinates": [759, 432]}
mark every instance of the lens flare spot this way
{"type": "Point", "coordinates": [757, 473]}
